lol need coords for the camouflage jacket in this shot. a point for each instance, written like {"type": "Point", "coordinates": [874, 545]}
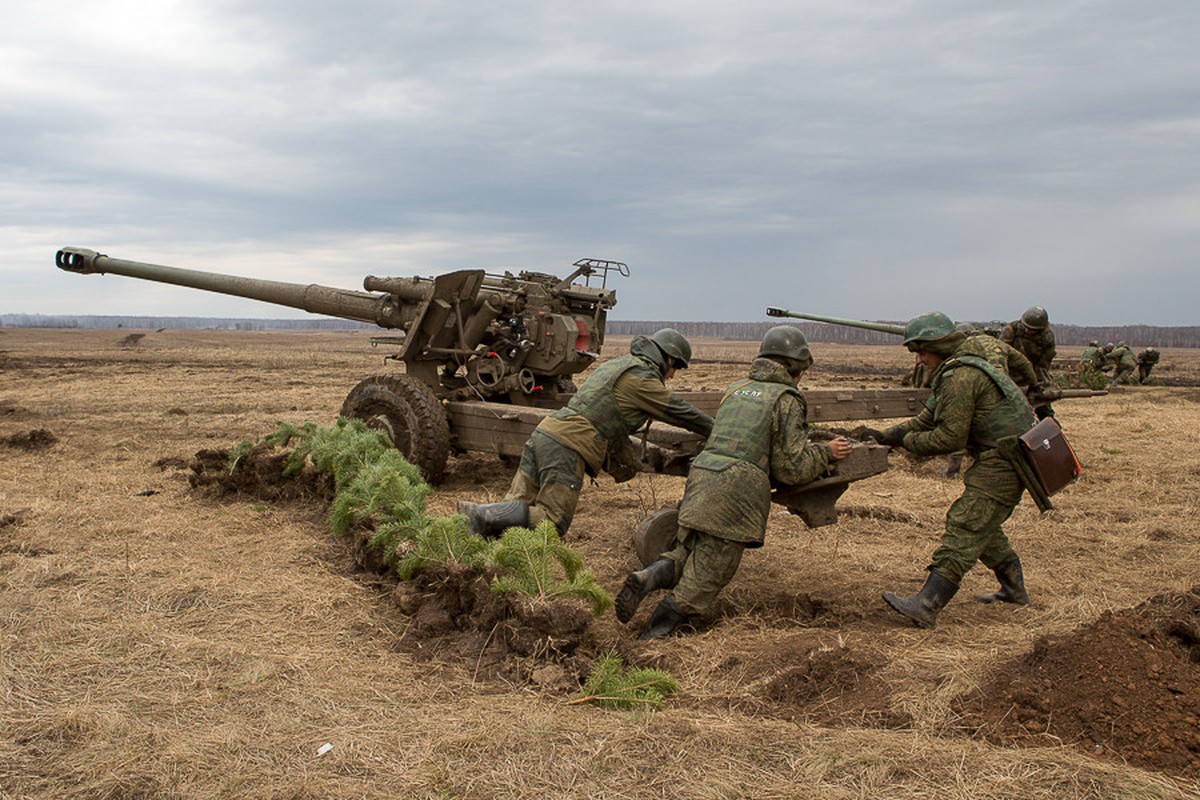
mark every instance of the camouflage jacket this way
{"type": "Point", "coordinates": [1003, 355]}
{"type": "Point", "coordinates": [1037, 346]}
{"type": "Point", "coordinates": [1093, 355]}
{"type": "Point", "coordinates": [759, 440]}
{"type": "Point", "coordinates": [616, 400]}
{"type": "Point", "coordinates": [1124, 358]}
{"type": "Point", "coordinates": [972, 405]}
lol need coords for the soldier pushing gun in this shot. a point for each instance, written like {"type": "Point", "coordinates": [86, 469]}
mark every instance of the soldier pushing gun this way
{"type": "Point", "coordinates": [973, 406]}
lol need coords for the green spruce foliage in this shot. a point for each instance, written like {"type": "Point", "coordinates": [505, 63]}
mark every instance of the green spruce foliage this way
{"type": "Point", "coordinates": [238, 455]}
{"type": "Point", "coordinates": [377, 488]}
{"type": "Point", "coordinates": [444, 540]}
{"type": "Point", "coordinates": [537, 564]}
{"type": "Point", "coordinates": [388, 489]}
{"type": "Point", "coordinates": [610, 685]}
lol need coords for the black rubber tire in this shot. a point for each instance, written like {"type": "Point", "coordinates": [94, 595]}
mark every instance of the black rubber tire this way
{"type": "Point", "coordinates": [410, 414]}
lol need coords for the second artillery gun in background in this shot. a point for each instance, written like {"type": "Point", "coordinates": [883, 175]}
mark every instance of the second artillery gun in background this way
{"type": "Point", "coordinates": [1038, 394]}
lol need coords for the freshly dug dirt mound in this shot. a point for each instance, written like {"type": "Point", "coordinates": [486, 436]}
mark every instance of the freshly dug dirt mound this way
{"type": "Point", "coordinates": [259, 475]}
{"type": "Point", "coordinates": [803, 674]}
{"type": "Point", "coordinates": [37, 439]}
{"type": "Point", "coordinates": [1125, 687]}
{"type": "Point", "coordinates": [455, 610]}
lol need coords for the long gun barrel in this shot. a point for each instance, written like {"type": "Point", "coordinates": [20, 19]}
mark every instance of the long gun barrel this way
{"type": "Point", "coordinates": [380, 309]}
{"type": "Point", "coordinates": [882, 327]}
{"type": "Point", "coordinates": [1049, 393]}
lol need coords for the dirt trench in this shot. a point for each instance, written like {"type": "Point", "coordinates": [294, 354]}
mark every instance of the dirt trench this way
{"type": "Point", "coordinates": [1126, 688]}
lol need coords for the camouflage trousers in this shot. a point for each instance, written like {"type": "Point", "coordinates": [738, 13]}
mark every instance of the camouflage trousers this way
{"type": "Point", "coordinates": [550, 479]}
{"type": "Point", "coordinates": [973, 533]}
{"type": "Point", "coordinates": [1124, 376]}
{"type": "Point", "coordinates": [704, 565]}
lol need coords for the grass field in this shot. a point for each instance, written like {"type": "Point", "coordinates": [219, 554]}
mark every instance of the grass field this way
{"type": "Point", "coordinates": [157, 642]}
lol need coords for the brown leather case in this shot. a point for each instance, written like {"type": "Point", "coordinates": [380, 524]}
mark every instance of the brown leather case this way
{"type": "Point", "coordinates": [1052, 459]}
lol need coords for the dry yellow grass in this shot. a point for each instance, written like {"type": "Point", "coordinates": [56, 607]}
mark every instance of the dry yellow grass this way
{"type": "Point", "coordinates": [158, 644]}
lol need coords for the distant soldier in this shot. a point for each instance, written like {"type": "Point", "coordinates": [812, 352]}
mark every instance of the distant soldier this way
{"type": "Point", "coordinates": [759, 441]}
{"type": "Point", "coordinates": [973, 405]}
{"type": "Point", "coordinates": [1145, 362]}
{"type": "Point", "coordinates": [1092, 364]}
{"type": "Point", "coordinates": [1092, 356]}
{"type": "Point", "coordinates": [591, 434]}
{"type": "Point", "coordinates": [1124, 363]}
{"type": "Point", "coordinates": [1031, 335]}
{"type": "Point", "coordinates": [1106, 359]}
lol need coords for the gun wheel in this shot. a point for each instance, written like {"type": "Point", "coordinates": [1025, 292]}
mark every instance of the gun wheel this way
{"type": "Point", "coordinates": [410, 414]}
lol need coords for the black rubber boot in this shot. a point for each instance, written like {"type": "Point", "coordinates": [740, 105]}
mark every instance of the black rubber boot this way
{"type": "Point", "coordinates": [659, 575]}
{"type": "Point", "coordinates": [665, 619]}
{"type": "Point", "coordinates": [1012, 584]}
{"type": "Point", "coordinates": [923, 607]}
{"type": "Point", "coordinates": [489, 520]}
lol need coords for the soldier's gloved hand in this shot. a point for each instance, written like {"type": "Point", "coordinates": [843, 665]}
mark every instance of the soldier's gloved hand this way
{"type": "Point", "coordinates": [893, 440]}
{"type": "Point", "coordinates": [867, 434]}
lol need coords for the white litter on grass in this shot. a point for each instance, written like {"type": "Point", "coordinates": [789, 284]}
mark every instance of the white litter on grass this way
{"type": "Point", "coordinates": [325, 748]}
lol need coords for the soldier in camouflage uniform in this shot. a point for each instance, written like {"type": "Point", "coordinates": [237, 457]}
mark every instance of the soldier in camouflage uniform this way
{"type": "Point", "coordinates": [1124, 363]}
{"type": "Point", "coordinates": [591, 434]}
{"type": "Point", "coordinates": [1145, 362]}
{"type": "Point", "coordinates": [1106, 360]}
{"type": "Point", "coordinates": [1092, 355]}
{"type": "Point", "coordinates": [973, 405]}
{"type": "Point", "coordinates": [759, 440]}
{"type": "Point", "coordinates": [1031, 335]}
{"type": "Point", "coordinates": [1003, 356]}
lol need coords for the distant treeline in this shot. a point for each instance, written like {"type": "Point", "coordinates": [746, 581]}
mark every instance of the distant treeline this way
{"type": "Point", "coordinates": [155, 323]}
{"type": "Point", "coordinates": [1069, 335]}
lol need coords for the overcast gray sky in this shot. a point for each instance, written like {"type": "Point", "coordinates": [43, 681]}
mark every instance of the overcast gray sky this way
{"type": "Point", "coordinates": [871, 159]}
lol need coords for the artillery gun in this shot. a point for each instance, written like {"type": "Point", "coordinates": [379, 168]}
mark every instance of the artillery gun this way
{"type": "Point", "coordinates": [1042, 394]}
{"type": "Point", "coordinates": [486, 357]}
{"type": "Point", "coordinates": [467, 335]}
{"type": "Point", "coordinates": [882, 327]}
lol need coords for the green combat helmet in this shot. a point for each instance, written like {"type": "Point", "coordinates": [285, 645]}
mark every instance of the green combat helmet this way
{"type": "Point", "coordinates": [784, 341]}
{"type": "Point", "coordinates": [674, 345]}
{"type": "Point", "coordinates": [927, 327]}
{"type": "Point", "coordinates": [1035, 318]}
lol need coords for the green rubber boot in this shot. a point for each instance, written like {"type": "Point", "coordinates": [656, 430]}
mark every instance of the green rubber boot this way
{"type": "Point", "coordinates": [489, 520]}
{"type": "Point", "coordinates": [923, 607]}
{"type": "Point", "coordinates": [659, 575]}
{"type": "Point", "coordinates": [665, 619]}
{"type": "Point", "coordinates": [1012, 584]}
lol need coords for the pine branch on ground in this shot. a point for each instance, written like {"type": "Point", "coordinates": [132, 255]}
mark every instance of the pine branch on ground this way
{"type": "Point", "coordinates": [284, 435]}
{"type": "Point", "coordinates": [610, 685]}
